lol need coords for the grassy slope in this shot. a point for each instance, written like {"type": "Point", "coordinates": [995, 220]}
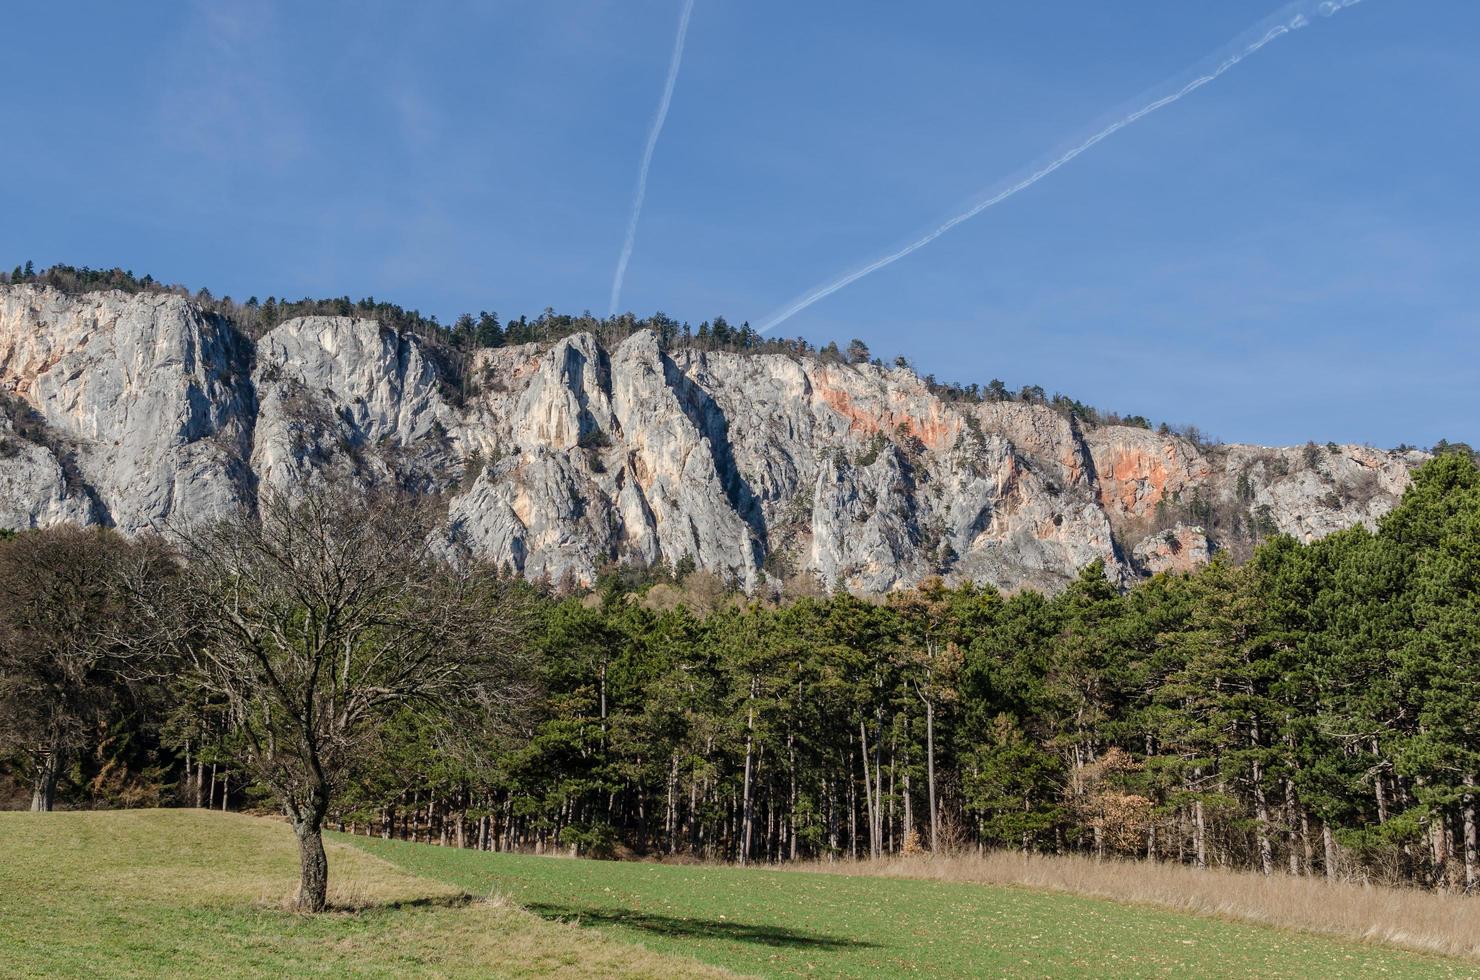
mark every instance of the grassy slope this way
{"type": "Point", "coordinates": [161, 892]}
{"type": "Point", "coordinates": [786, 923]}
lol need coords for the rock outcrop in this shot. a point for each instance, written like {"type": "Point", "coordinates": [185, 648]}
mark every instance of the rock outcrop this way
{"type": "Point", "coordinates": [1177, 549]}
{"type": "Point", "coordinates": [556, 460]}
{"type": "Point", "coordinates": [152, 392]}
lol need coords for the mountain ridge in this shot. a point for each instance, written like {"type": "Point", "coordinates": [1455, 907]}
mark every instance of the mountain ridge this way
{"type": "Point", "coordinates": [560, 458]}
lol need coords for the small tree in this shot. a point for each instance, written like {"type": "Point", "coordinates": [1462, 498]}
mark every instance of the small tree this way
{"type": "Point", "coordinates": [489, 332]}
{"type": "Point", "coordinates": [319, 618]}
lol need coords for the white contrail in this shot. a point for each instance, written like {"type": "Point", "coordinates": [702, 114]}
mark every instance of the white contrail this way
{"type": "Point", "coordinates": [647, 154]}
{"type": "Point", "coordinates": [1289, 18]}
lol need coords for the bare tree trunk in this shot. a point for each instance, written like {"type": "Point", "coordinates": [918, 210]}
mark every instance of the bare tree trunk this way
{"type": "Point", "coordinates": [200, 783]}
{"type": "Point", "coordinates": [313, 867]}
{"type": "Point", "coordinates": [44, 779]}
{"type": "Point", "coordinates": [1329, 840]}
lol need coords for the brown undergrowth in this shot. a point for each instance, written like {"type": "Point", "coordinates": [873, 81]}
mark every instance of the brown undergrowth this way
{"type": "Point", "coordinates": [1408, 918]}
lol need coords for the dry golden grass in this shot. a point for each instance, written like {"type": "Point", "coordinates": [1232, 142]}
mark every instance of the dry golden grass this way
{"type": "Point", "coordinates": [1405, 918]}
{"type": "Point", "coordinates": [180, 892]}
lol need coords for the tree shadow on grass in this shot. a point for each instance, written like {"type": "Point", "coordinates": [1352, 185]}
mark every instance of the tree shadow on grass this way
{"type": "Point", "coordinates": [356, 905]}
{"type": "Point", "coordinates": [691, 928]}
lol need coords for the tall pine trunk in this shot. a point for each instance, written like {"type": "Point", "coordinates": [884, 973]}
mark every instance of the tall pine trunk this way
{"type": "Point", "coordinates": [1378, 789]}
{"type": "Point", "coordinates": [1291, 830]}
{"type": "Point", "coordinates": [930, 775]}
{"type": "Point", "coordinates": [749, 751]}
{"type": "Point", "coordinates": [670, 816]}
{"type": "Point", "coordinates": [1200, 833]}
{"type": "Point", "coordinates": [1261, 807]}
{"type": "Point", "coordinates": [909, 803]}
{"type": "Point", "coordinates": [1439, 850]}
{"type": "Point", "coordinates": [878, 837]}
{"type": "Point", "coordinates": [1471, 871]}
{"type": "Point", "coordinates": [791, 815]}
{"type": "Point", "coordinates": [868, 792]}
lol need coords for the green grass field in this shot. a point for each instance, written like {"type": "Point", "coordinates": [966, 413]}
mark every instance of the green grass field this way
{"type": "Point", "coordinates": [189, 893]}
{"type": "Point", "coordinates": [171, 893]}
{"type": "Point", "coordinates": [790, 923]}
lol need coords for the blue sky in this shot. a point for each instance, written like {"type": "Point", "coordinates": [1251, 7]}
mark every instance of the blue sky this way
{"type": "Point", "coordinates": [1288, 253]}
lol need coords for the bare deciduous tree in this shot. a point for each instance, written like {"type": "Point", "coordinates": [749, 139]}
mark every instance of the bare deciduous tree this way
{"type": "Point", "coordinates": [69, 629]}
{"type": "Point", "coordinates": [323, 614]}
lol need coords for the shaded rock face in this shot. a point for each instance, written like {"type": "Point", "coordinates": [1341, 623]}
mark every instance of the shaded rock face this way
{"type": "Point", "coordinates": [1177, 549]}
{"type": "Point", "coordinates": [34, 486]}
{"type": "Point", "coordinates": [558, 460]}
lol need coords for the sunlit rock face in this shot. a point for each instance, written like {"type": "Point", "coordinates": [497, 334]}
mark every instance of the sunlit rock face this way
{"type": "Point", "coordinates": [557, 460]}
{"type": "Point", "coordinates": [149, 395]}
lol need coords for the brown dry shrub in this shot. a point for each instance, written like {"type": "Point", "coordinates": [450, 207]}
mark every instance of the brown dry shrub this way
{"type": "Point", "coordinates": [1408, 918]}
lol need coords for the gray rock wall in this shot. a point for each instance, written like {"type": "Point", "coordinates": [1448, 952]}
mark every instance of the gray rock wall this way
{"type": "Point", "coordinates": [145, 411]}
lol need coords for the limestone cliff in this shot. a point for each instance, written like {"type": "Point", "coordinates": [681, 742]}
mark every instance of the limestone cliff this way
{"type": "Point", "coordinates": [142, 411]}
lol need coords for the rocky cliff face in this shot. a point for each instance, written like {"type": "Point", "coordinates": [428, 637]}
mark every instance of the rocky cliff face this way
{"type": "Point", "coordinates": [142, 411]}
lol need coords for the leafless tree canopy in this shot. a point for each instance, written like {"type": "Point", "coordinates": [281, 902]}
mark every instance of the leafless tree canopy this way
{"type": "Point", "coordinates": [324, 613]}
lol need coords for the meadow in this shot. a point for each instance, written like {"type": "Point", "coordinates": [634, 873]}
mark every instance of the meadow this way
{"type": "Point", "coordinates": [790, 923]}
{"type": "Point", "coordinates": [189, 892]}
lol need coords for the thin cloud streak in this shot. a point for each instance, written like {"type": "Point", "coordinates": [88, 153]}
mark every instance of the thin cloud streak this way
{"type": "Point", "coordinates": [1287, 19]}
{"type": "Point", "coordinates": [647, 155]}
